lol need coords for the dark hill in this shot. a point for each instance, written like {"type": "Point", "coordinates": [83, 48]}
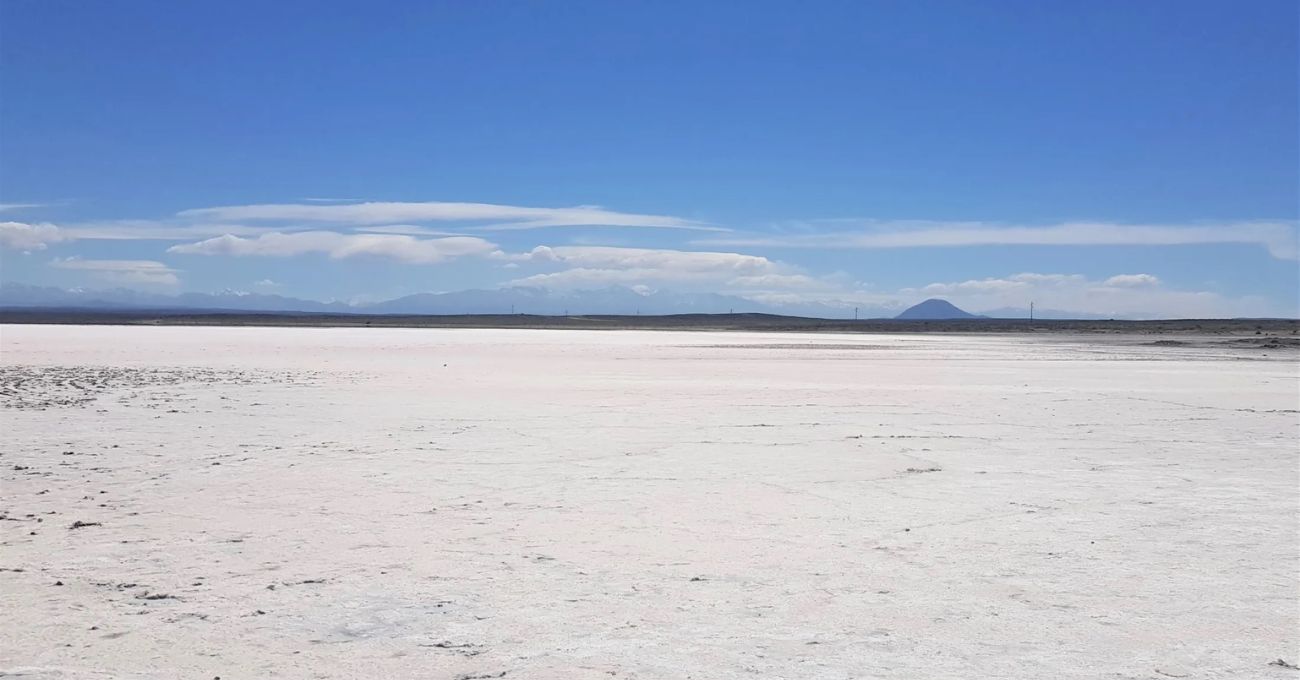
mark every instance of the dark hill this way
{"type": "Point", "coordinates": [934, 309]}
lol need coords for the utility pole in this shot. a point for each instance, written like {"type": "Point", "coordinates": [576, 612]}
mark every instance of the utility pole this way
{"type": "Point", "coordinates": [855, 313]}
{"type": "Point", "coordinates": [1031, 310]}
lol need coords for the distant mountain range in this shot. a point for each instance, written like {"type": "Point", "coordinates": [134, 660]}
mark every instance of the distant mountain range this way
{"type": "Point", "coordinates": [21, 295]}
{"type": "Point", "coordinates": [611, 300]}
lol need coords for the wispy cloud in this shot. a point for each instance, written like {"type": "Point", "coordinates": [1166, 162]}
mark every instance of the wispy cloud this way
{"type": "Point", "coordinates": [147, 272]}
{"type": "Point", "coordinates": [339, 246]}
{"type": "Point", "coordinates": [407, 229]}
{"type": "Point", "coordinates": [29, 236]}
{"type": "Point", "coordinates": [332, 200]}
{"type": "Point", "coordinates": [500, 217]}
{"type": "Point", "coordinates": [1279, 237]}
{"type": "Point", "coordinates": [656, 258]}
{"type": "Point", "coordinates": [342, 215]}
{"type": "Point", "coordinates": [155, 230]}
{"type": "Point", "coordinates": [5, 207]}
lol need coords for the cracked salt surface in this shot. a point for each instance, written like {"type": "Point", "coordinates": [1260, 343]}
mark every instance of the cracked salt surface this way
{"type": "Point", "coordinates": [308, 503]}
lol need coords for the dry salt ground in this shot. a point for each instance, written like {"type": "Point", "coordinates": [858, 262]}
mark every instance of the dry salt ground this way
{"type": "Point", "coordinates": [355, 503]}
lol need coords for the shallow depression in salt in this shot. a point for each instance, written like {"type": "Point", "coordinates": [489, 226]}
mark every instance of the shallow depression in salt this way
{"type": "Point", "coordinates": [346, 503]}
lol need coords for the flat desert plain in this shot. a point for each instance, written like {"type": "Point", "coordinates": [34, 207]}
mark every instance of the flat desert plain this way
{"type": "Point", "coordinates": [422, 503]}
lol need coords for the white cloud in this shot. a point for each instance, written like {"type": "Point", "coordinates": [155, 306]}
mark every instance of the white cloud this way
{"type": "Point", "coordinates": [644, 269]}
{"type": "Point", "coordinates": [28, 237]}
{"type": "Point", "coordinates": [339, 246]}
{"type": "Point", "coordinates": [5, 207]}
{"type": "Point", "coordinates": [1132, 281]}
{"type": "Point", "coordinates": [146, 272]}
{"type": "Point", "coordinates": [770, 281]}
{"type": "Point", "coordinates": [502, 216]}
{"type": "Point", "coordinates": [1279, 237]}
{"type": "Point", "coordinates": [266, 283]}
{"type": "Point", "coordinates": [1014, 283]}
{"type": "Point", "coordinates": [1122, 295]}
{"type": "Point", "coordinates": [606, 265]}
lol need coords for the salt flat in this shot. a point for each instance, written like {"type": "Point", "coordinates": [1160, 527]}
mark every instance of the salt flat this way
{"type": "Point", "coordinates": [354, 503]}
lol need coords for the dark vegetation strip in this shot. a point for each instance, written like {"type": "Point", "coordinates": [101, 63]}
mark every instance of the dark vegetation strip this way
{"type": "Point", "coordinates": [701, 322]}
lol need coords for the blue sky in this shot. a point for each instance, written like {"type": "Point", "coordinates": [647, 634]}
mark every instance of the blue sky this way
{"type": "Point", "coordinates": [1111, 157]}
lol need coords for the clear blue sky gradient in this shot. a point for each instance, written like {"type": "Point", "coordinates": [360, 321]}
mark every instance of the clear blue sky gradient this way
{"type": "Point", "coordinates": [756, 116]}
